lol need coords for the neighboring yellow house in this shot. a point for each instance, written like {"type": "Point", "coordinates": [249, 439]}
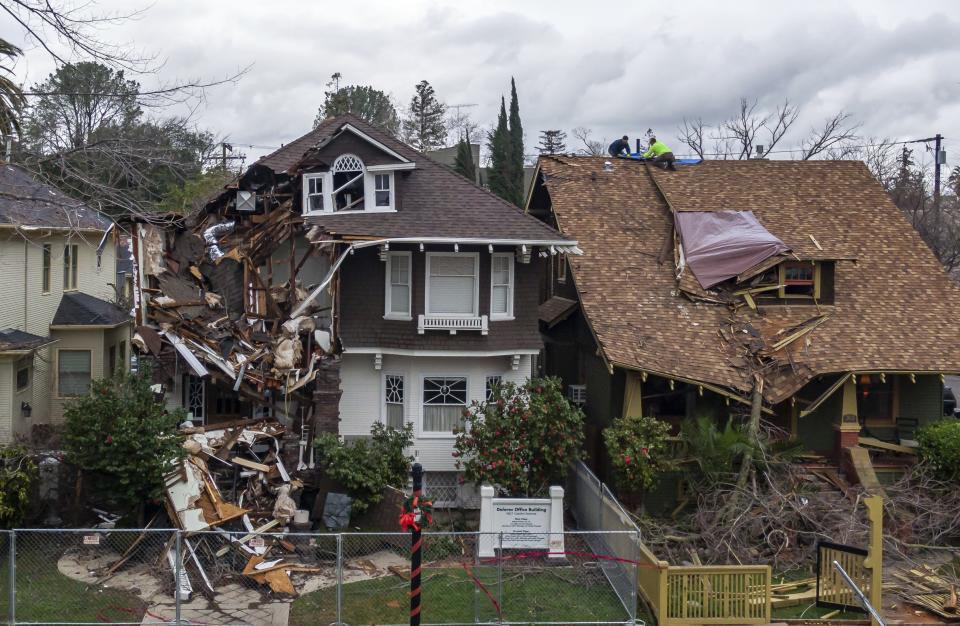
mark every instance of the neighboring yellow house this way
{"type": "Point", "coordinates": [59, 328]}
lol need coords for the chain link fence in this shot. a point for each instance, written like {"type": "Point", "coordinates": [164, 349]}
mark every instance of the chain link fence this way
{"type": "Point", "coordinates": [218, 577]}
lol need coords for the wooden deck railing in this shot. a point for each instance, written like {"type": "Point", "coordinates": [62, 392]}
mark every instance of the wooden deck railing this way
{"type": "Point", "coordinates": [679, 595]}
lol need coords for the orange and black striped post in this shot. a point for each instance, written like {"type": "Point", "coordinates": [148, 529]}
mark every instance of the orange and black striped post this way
{"type": "Point", "coordinates": [416, 545]}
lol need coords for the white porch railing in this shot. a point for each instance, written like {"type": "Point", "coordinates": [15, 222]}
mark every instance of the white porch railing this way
{"type": "Point", "coordinates": [452, 324]}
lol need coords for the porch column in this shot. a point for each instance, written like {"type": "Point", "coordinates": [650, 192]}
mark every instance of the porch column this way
{"type": "Point", "coordinates": [848, 428]}
{"type": "Point", "coordinates": [632, 392]}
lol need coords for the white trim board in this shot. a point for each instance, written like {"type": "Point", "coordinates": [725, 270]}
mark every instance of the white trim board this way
{"type": "Point", "coordinates": [439, 353]}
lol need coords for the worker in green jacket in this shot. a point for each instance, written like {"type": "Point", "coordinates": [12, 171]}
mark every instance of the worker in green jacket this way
{"type": "Point", "coordinates": [659, 154]}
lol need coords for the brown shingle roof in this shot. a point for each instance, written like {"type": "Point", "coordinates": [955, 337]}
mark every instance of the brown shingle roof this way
{"type": "Point", "coordinates": [892, 305]}
{"type": "Point", "coordinates": [434, 200]}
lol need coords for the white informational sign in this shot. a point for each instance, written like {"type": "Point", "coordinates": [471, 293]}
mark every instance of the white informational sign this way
{"type": "Point", "coordinates": [524, 523]}
{"type": "Point", "coordinates": [521, 523]}
{"type": "Point", "coordinates": [91, 540]}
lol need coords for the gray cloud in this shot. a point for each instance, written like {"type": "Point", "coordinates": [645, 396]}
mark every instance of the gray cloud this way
{"type": "Point", "coordinates": [614, 67]}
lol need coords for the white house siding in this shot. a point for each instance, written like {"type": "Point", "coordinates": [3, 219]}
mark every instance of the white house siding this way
{"type": "Point", "coordinates": [26, 307]}
{"type": "Point", "coordinates": [6, 399]}
{"type": "Point", "coordinates": [362, 401]}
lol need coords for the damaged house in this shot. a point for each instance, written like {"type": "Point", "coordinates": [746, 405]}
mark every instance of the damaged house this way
{"type": "Point", "coordinates": [344, 279]}
{"type": "Point", "coordinates": [699, 287]}
{"type": "Point", "coordinates": [60, 326]}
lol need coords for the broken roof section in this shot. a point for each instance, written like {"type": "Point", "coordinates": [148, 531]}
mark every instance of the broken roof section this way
{"type": "Point", "coordinates": [888, 309]}
{"type": "Point", "coordinates": [719, 245]}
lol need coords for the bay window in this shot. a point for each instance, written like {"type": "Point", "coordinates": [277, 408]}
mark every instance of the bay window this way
{"type": "Point", "coordinates": [501, 286]}
{"type": "Point", "coordinates": [444, 401]}
{"type": "Point", "coordinates": [397, 288]}
{"type": "Point", "coordinates": [452, 284]}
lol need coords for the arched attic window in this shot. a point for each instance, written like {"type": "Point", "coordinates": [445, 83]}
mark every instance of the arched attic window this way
{"type": "Point", "coordinates": [348, 183]}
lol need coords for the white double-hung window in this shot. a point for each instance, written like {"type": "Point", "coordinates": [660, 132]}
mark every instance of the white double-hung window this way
{"type": "Point", "coordinates": [453, 284]}
{"type": "Point", "coordinates": [397, 288]}
{"type": "Point", "coordinates": [444, 401]}
{"type": "Point", "coordinates": [314, 198]}
{"type": "Point", "coordinates": [501, 286]}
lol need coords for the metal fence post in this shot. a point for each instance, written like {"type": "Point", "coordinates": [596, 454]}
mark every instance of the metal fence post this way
{"type": "Point", "coordinates": [339, 579]}
{"type": "Point", "coordinates": [177, 561]}
{"type": "Point", "coordinates": [500, 577]}
{"type": "Point", "coordinates": [13, 576]}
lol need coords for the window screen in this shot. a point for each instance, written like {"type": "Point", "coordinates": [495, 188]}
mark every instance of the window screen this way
{"type": "Point", "coordinates": [444, 400]}
{"type": "Point", "coordinates": [453, 281]}
{"type": "Point", "coordinates": [23, 378]}
{"type": "Point", "coordinates": [73, 372]}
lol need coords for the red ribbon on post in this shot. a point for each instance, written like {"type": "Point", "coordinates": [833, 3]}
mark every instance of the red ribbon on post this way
{"type": "Point", "coordinates": [412, 520]}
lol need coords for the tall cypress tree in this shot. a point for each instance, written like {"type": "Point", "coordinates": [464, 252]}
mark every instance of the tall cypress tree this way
{"type": "Point", "coordinates": [515, 170]}
{"type": "Point", "coordinates": [424, 127]}
{"type": "Point", "coordinates": [498, 141]}
{"type": "Point", "coordinates": [463, 164]}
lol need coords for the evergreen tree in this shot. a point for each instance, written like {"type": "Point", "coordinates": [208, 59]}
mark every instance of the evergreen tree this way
{"type": "Point", "coordinates": [515, 170]}
{"type": "Point", "coordinates": [425, 127]}
{"type": "Point", "coordinates": [500, 153]}
{"type": "Point", "coordinates": [552, 142]}
{"type": "Point", "coordinates": [367, 103]}
{"type": "Point", "coordinates": [464, 164]}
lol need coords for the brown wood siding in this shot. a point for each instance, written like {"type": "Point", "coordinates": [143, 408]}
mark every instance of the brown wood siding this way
{"type": "Point", "coordinates": [348, 143]}
{"type": "Point", "coordinates": [362, 304]}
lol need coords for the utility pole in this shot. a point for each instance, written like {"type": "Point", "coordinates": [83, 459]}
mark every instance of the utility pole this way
{"type": "Point", "coordinates": [936, 170]}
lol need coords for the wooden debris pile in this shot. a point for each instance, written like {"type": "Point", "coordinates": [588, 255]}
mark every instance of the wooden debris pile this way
{"type": "Point", "coordinates": [220, 296]}
{"type": "Point", "coordinates": [233, 497]}
{"type": "Point", "coordinates": [929, 590]}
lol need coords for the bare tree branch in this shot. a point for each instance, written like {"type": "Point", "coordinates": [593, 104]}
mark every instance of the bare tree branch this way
{"type": "Point", "coordinates": [835, 130]}
{"type": "Point", "coordinates": [591, 146]}
{"type": "Point", "coordinates": [692, 135]}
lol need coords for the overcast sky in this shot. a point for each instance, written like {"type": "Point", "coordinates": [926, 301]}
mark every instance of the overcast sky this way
{"type": "Point", "coordinates": [615, 67]}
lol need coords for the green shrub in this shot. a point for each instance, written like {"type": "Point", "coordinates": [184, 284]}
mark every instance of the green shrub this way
{"type": "Point", "coordinates": [940, 448]}
{"type": "Point", "coordinates": [123, 440]}
{"type": "Point", "coordinates": [366, 466]}
{"type": "Point", "coordinates": [18, 473]}
{"type": "Point", "coordinates": [638, 450]}
{"type": "Point", "coordinates": [522, 440]}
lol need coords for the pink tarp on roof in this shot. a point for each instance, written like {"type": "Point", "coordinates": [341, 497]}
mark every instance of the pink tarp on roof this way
{"type": "Point", "coordinates": [719, 245]}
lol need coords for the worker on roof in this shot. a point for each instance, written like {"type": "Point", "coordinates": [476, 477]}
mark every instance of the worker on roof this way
{"type": "Point", "coordinates": [620, 147]}
{"type": "Point", "coordinates": [660, 154]}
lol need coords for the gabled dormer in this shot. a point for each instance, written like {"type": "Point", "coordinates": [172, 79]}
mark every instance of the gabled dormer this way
{"type": "Point", "coordinates": [351, 172]}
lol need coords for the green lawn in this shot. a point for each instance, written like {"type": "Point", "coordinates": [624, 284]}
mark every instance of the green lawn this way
{"type": "Point", "coordinates": [449, 595]}
{"type": "Point", "coordinates": [45, 595]}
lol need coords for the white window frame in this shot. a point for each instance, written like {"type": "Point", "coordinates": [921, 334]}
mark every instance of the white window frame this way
{"type": "Point", "coordinates": [388, 312]}
{"type": "Point", "coordinates": [71, 267]}
{"type": "Point", "coordinates": [511, 287]}
{"type": "Point", "coordinates": [326, 181]}
{"type": "Point", "coordinates": [486, 384]}
{"type": "Point", "coordinates": [383, 397]}
{"type": "Point", "coordinates": [19, 367]}
{"type": "Point", "coordinates": [476, 283]}
{"type": "Point", "coordinates": [370, 191]}
{"type": "Point", "coordinates": [438, 434]}
{"type": "Point", "coordinates": [57, 369]}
